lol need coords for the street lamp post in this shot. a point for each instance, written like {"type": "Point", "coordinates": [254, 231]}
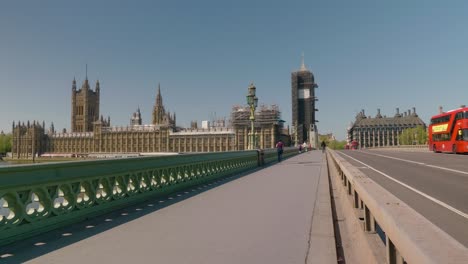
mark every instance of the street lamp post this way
{"type": "Point", "coordinates": [252, 101]}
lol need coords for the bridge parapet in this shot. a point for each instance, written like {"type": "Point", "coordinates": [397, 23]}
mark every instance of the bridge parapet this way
{"type": "Point", "coordinates": [409, 237]}
{"type": "Point", "coordinates": [37, 198]}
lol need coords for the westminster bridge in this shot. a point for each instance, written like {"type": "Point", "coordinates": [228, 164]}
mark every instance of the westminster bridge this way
{"type": "Point", "coordinates": [367, 206]}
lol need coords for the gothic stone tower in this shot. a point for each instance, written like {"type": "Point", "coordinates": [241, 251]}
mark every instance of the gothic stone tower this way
{"type": "Point", "coordinates": [85, 107]}
{"type": "Point", "coordinates": [160, 117]}
{"type": "Point", "coordinates": [303, 103]}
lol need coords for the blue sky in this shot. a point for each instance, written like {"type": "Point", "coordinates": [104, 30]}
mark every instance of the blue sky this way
{"type": "Point", "coordinates": [364, 55]}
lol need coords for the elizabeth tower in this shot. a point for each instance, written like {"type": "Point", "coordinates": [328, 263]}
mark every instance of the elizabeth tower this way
{"type": "Point", "coordinates": [303, 103]}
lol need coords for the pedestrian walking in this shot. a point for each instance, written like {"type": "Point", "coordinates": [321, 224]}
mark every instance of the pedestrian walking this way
{"type": "Point", "coordinates": [279, 149]}
{"type": "Point", "coordinates": [304, 146]}
{"type": "Point", "coordinates": [324, 145]}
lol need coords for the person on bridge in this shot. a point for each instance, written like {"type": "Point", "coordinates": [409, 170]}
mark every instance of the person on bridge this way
{"type": "Point", "coordinates": [324, 145]}
{"type": "Point", "coordinates": [279, 149]}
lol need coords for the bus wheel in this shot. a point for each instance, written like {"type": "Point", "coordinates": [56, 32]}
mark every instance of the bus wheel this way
{"type": "Point", "coordinates": [434, 149]}
{"type": "Point", "coordinates": [454, 149]}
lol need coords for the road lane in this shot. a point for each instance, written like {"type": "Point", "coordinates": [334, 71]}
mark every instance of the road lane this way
{"type": "Point", "coordinates": [416, 170]}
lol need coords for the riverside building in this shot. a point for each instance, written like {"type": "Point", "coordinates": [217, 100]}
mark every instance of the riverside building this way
{"type": "Point", "coordinates": [380, 130]}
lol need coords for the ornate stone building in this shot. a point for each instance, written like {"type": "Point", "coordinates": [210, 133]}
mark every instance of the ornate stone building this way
{"type": "Point", "coordinates": [162, 135]}
{"type": "Point", "coordinates": [380, 130]}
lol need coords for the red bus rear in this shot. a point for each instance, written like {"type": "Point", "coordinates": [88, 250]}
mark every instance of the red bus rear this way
{"type": "Point", "coordinates": [448, 132]}
{"type": "Point", "coordinates": [354, 144]}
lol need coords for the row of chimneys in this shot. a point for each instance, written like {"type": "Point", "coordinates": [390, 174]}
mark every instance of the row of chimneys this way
{"type": "Point", "coordinates": [408, 113]}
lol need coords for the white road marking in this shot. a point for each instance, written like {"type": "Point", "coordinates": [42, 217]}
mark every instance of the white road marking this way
{"type": "Point", "coordinates": [465, 215]}
{"type": "Point", "coordinates": [419, 163]}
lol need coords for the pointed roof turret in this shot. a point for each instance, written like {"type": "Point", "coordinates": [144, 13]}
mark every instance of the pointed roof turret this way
{"type": "Point", "coordinates": [74, 84]}
{"type": "Point", "coordinates": [378, 113]}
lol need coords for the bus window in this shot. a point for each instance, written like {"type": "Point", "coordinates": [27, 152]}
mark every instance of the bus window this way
{"type": "Point", "coordinates": [465, 134]}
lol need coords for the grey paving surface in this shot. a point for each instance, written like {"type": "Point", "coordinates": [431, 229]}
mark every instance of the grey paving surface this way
{"type": "Point", "coordinates": [265, 217]}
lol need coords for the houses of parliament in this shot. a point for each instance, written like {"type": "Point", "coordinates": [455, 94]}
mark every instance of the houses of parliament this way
{"type": "Point", "coordinates": [91, 133]}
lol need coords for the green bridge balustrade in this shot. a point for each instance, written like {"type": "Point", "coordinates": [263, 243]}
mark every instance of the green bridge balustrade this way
{"type": "Point", "coordinates": [41, 197]}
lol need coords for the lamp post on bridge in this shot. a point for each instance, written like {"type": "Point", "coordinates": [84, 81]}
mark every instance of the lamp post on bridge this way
{"type": "Point", "coordinates": [252, 101]}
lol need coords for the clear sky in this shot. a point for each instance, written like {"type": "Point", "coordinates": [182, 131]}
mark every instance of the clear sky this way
{"type": "Point", "coordinates": [364, 55]}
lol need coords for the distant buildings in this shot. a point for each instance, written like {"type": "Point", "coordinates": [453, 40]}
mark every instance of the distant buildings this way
{"type": "Point", "coordinates": [380, 130]}
{"type": "Point", "coordinates": [93, 134]}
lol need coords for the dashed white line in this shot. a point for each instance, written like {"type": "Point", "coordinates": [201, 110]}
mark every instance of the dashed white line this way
{"type": "Point", "coordinates": [419, 163]}
{"type": "Point", "coordinates": [465, 215]}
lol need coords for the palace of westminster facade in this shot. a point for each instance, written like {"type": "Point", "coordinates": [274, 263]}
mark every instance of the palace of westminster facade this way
{"type": "Point", "coordinates": [91, 133]}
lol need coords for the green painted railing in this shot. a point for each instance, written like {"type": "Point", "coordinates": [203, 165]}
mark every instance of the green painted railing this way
{"type": "Point", "coordinates": [37, 198]}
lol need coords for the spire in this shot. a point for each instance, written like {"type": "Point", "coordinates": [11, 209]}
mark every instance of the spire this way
{"type": "Point", "coordinates": [158, 96]}
{"type": "Point", "coordinates": [98, 87]}
{"type": "Point", "coordinates": [303, 67]}
{"type": "Point", "coordinates": [74, 84]}
{"type": "Point", "coordinates": [86, 71]}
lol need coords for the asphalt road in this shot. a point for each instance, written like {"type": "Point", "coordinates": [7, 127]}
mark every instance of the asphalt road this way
{"type": "Point", "coordinates": [434, 184]}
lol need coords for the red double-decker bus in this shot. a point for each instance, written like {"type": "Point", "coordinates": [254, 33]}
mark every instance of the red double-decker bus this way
{"type": "Point", "coordinates": [448, 132]}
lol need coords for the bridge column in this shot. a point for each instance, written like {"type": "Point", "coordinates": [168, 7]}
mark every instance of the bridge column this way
{"type": "Point", "coordinates": [369, 220]}
{"type": "Point", "coordinates": [393, 256]}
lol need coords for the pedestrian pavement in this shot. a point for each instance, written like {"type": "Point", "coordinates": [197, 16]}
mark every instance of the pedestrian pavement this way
{"type": "Point", "coordinates": [278, 214]}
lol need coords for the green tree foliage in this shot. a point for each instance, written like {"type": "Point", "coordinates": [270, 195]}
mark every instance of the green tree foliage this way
{"type": "Point", "coordinates": [413, 136]}
{"type": "Point", "coordinates": [5, 143]}
{"type": "Point", "coordinates": [333, 144]}
{"type": "Point", "coordinates": [324, 138]}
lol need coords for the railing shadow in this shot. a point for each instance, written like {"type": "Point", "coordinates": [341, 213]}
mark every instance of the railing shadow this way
{"type": "Point", "coordinates": [39, 245]}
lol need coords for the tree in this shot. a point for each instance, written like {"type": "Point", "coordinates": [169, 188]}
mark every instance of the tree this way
{"type": "Point", "coordinates": [5, 143]}
{"type": "Point", "coordinates": [333, 144]}
{"type": "Point", "coordinates": [413, 136]}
